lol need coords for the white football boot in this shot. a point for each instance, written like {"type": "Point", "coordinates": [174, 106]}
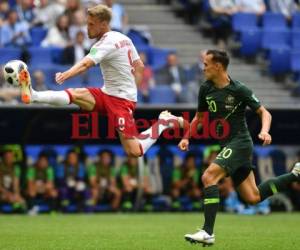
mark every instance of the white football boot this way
{"type": "Point", "coordinates": [296, 170]}
{"type": "Point", "coordinates": [201, 237]}
{"type": "Point", "coordinates": [171, 119]}
{"type": "Point", "coordinates": [25, 84]}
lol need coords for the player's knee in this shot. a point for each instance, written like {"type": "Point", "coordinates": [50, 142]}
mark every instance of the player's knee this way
{"type": "Point", "coordinates": [77, 93]}
{"type": "Point", "coordinates": [208, 179]}
{"type": "Point", "coordinates": [133, 152]}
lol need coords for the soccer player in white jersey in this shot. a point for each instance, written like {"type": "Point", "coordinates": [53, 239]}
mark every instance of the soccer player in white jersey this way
{"type": "Point", "coordinates": [121, 68]}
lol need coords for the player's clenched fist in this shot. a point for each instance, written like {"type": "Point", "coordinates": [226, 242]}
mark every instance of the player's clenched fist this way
{"type": "Point", "coordinates": [59, 78]}
{"type": "Point", "coordinates": [265, 137]}
{"type": "Point", "coordinates": [184, 144]}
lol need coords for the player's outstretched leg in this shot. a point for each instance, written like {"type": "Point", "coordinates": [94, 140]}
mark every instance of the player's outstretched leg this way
{"type": "Point", "coordinates": [29, 95]}
{"type": "Point", "coordinates": [79, 96]}
{"type": "Point", "coordinates": [165, 120]}
{"type": "Point", "coordinates": [136, 147]}
{"type": "Point", "coordinates": [280, 183]}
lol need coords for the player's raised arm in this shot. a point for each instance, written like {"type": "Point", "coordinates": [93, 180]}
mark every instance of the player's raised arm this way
{"type": "Point", "coordinates": [77, 69]}
{"type": "Point", "coordinates": [138, 66]}
{"type": "Point", "coordinates": [266, 120]}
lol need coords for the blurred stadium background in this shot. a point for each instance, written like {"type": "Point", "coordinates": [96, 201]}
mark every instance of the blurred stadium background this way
{"type": "Point", "coordinates": [263, 40]}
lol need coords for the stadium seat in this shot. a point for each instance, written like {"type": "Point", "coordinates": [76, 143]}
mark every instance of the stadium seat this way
{"type": "Point", "coordinates": [262, 151]}
{"type": "Point", "coordinates": [102, 208]}
{"type": "Point", "coordinates": [162, 94]}
{"type": "Point", "coordinates": [12, 3]}
{"type": "Point", "coordinates": [176, 151]}
{"type": "Point", "coordinates": [40, 56]}
{"type": "Point", "coordinates": [250, 42]}
{"type": "Point", "coordinates": [296, 39]}
{"type": "Point", "coordinates": [37, 35]}
{"type": "Point", "coordinates": [152, 152]}
{"type": "Point", "coordinates": [279, 61]}
{"type": "Point", "coordinates": [137, 38]}
{"type": "Point", "coordinates": [186, 203]}
{"type": "Point", "coordinates": [279, 162]}
{"type": "Point", "coordinates": [296, 21]}
{"type": "Point", "coordinates": [159, 57]}
{"type": "Point", "coordinates": [49, 73]}
{"type": "Point", "coordinates": [74, 82]}
{"type": "Point", "coordinates": [146, 50]}
{"type": "Point", "coordinates": [244, 21]}
{"type": "Point", "coordinates": [161, 203]}
{"type": "Point", "coordinates": [274, 21]}
{"type": "Point", "coordinates": [61, 150]}
{"type": "Point", "coordinates": [295, 61]}
{"type": "Point", "coordinates": [140, 98]}
{"type": "Point", "coordinates": [57, 55]}
{"type": "Point", "coordinates": [275, 39]}
{"type": "Point", "coordinates": [6, 208]}
{"type": "Point", "coordinates": [93, 150]}
{"type": "Point", "coordinates": [32, 152]}
{"type": "Point", "coordinates": [9, 54]}
{"type": "Point", "coordinates": [205, 6]}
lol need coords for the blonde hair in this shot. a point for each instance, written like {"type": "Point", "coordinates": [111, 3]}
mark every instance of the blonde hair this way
{"type": "Point", "coordinates": [101, 11]}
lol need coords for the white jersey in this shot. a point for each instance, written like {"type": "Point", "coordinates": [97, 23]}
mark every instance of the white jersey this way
{"type": "Point", "coordinates": [115, 52]}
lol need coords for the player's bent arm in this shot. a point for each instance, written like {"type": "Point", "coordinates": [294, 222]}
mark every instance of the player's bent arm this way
{"type": "Point", "coordinates": [138, 66]}
{"type": "Point", "coordinates": [266, 119]}
{"type": "Point", "coordinates": [77, 69]}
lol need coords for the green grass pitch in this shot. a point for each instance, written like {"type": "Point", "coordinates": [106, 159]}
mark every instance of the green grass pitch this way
{"type": "Point", "coordinates": [161, 231]}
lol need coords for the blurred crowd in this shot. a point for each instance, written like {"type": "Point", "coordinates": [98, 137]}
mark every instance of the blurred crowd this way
{"type": "Point", "coordinates": [78, 182]}
{"type": "Point", "coordinates": [64, 22]}
{"type": "Point", "coordinates": [63, 19]}
{"type": "Point", "coordinates": [28, 25]}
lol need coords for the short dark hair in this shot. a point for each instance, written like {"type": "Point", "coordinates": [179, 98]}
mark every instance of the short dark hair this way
{"type": "Point", "coordinates": [219, 57]}
{"type": "Point", "coordinates": [103, 151]}
{"type": "Point", "coordinates": [42, 154]}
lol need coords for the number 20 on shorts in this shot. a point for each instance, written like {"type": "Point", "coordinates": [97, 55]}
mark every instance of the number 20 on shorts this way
{"type": "Point", "coordinates": [225, 153]}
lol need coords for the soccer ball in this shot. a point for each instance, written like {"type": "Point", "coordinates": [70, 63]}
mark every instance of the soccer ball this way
{"type": "Point", "coordinates": [11, 71]}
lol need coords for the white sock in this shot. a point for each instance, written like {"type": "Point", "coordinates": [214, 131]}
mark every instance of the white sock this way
{"type": "Point", "coordinates": [152, 134]}
{"type": "Point", "coordinates": [57, 98]}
